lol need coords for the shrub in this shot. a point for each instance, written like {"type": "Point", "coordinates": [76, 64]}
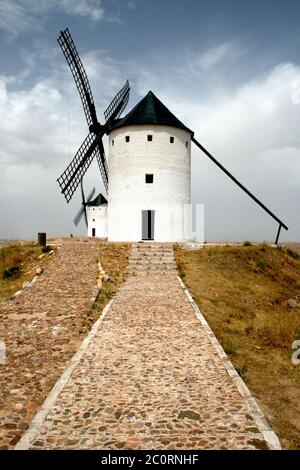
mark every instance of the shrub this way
{"type": "Point", "coordinates": [236, 315]}
{"type": "Point", "coordinates": [109, 294]}
{"type": "Point", "coordinates": [243, 287]}
{"type": "Point", "coordinates": [292, 253]}
{"type": "Point", "coordinates": [12, 272]}
{"type": "Point", "coordinates": [47, 248]}
{"type": "Point", "coordinates": [229, 347]}
{"type": "Point", "coordinates": [247, 243]}
{"type": "Point", "coordinates": [260, 263]}
{"type": "Point", "coordinates": [241, 371]}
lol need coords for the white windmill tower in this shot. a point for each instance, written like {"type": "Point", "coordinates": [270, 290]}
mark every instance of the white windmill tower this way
{"type": "Point", "coordinates": [149, 174]}
{"type": "Point", "coordinates": [149, 171]}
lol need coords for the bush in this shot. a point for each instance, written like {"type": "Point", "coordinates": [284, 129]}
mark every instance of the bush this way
{"type": "Point", "coordinates": [47, 248]}
{"type": "Point", "coordinates": [292, 253]}
{"type": "Point", "coordinates": [12, 272]}
{"type": "Point", "coordinates": [247, 243]}
{"type": "Point", "coordinates": [241, 371]}
{"type": "Point", "coordinates": [260, 263]}
{"type": "Point", "coordinates": [229, 347]}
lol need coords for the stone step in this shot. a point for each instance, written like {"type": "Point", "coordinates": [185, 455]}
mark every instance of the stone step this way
{"type": "Point", "coordinates": [152, 248]}
{"type": "Point", "coordinates": [159, 274]}
{"type": "Point", "coordinates": [152, 255]}
{"type": "Point", "coordinates": [150, 252]}
{"type": "Point", "coordinates": [150, 263]}
{"type": "Point", "coordinates": [153, 245]}
{"type": "Point", "coordinates": [153, 273]}
{"type": "Point", "coordinates": [151, 268]}
{"type": "Point", "coordinates": [152, 258]}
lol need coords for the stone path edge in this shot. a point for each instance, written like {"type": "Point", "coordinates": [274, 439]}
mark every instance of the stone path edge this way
{"type": "Point", "coordinates": [257, 414]}
{"type": "Point", "coordinates": [38, 420]}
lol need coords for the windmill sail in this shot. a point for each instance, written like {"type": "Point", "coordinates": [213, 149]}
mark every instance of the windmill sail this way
{"type": "Point", "coordinates": [92, 146]}
{"type": "Point", "coordinates": [82, 83]}
{"type": "Point", "coordinates": [118, 104]}
{"type": "Point", "coordinates": [71, 177]}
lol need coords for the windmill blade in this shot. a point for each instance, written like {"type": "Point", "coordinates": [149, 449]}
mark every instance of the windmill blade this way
{"type": "Point", "coordinates": [83, 203]}
{"type": "Point", "coordinates": [281, 224]}
{"type": "Point", "coordinates": [90, 195]}
{"type": "Point", "coordinates": [82, 210]}
{"type": "Point", "coordinates": [70, 52]}
{"type": "Point", "coordinates": [71, 177]}
{"type": "Point", "coordinates": [79, 216]}
{"type": "Point", "coordinates": [101, 159]}
{"type": "Point", "coordinates": [118, 104]}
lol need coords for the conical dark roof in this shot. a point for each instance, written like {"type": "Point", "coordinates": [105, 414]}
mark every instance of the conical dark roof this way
{"type": "Point", "coordinates": [150, 110]}
{"type": "Point", "coordinates": [98, 201]}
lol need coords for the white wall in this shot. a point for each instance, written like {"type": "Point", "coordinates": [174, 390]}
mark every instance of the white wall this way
{"type": "Point", "coordinates": [129, 194]}
{"type": "Point", "coordinates": [97, 218]}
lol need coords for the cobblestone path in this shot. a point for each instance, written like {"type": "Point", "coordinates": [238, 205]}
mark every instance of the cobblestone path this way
{"type": "Point", "coordinates": [150, 379]}
{"type": "Point", "coordinates": [41, 329]}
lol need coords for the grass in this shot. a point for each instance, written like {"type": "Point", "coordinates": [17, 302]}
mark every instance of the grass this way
{"type": "Point", "coordinates": [17, 264]}
{"type": "Point", "coordinates": [243, 292]}
{"type": "Point", "coordinates": [114, 259]}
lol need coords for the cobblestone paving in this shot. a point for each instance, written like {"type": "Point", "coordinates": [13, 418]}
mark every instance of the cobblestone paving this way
{"type": "Point", "coordinates": [41, 330]}
{"type": "Point", "coordinates": [150, 379]}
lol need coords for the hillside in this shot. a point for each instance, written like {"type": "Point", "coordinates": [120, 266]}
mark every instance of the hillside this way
{"type": "Point", "coordinates": [250, 296]}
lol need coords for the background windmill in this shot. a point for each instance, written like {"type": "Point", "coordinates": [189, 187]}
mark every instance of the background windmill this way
{"type": "Point", "coordinates": [92, 147]}
{"type": "Point", "coordinates": [82, 210]}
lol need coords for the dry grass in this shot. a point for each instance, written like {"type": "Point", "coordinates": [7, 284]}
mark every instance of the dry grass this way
{"type": "Point", "coordinates": [114, 259]}
{"type": "Point", "coordinates": [23, 256]}
{"type": "Point", "coordinates": [243, 292]}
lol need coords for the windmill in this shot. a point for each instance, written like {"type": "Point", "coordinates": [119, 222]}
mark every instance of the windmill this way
{"type": "Point", "coordinates": [82, 210]}
{"type": "Point", "coordinates": [92, 146]}
{"type": "Point", "coordinates": [149, 121]}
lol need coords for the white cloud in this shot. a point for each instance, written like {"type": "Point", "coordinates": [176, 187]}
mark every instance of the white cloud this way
{"type": "Point", "coordinates": [131, 4]}
{"type": "Point", "coordinates": [17, 16]}
{"type": "Point", "coordinates": [214, 56]}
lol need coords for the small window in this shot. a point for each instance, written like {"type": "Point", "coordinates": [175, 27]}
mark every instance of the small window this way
{"type": "Point", "coordinates": [113, 142]}
{"type": "Point", "coordinates": [149, 178]}
{"type": "Point", "coordinates": [171, 140]}
{"type": "Point", "coordinates": [149, 138]}
{"type": "Point", "coordinates": [186, 144]}
{"type": "Point", "coordinates": [127, 138]}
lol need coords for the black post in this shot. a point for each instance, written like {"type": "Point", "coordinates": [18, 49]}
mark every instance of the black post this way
{"type": "Point", "coordinates": [277, 236]}
{"type": "Point", "coordinates": [42, 238]}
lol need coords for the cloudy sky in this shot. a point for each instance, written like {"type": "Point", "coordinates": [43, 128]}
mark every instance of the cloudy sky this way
{"type": "Point", "coordinates": [229, 69]}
